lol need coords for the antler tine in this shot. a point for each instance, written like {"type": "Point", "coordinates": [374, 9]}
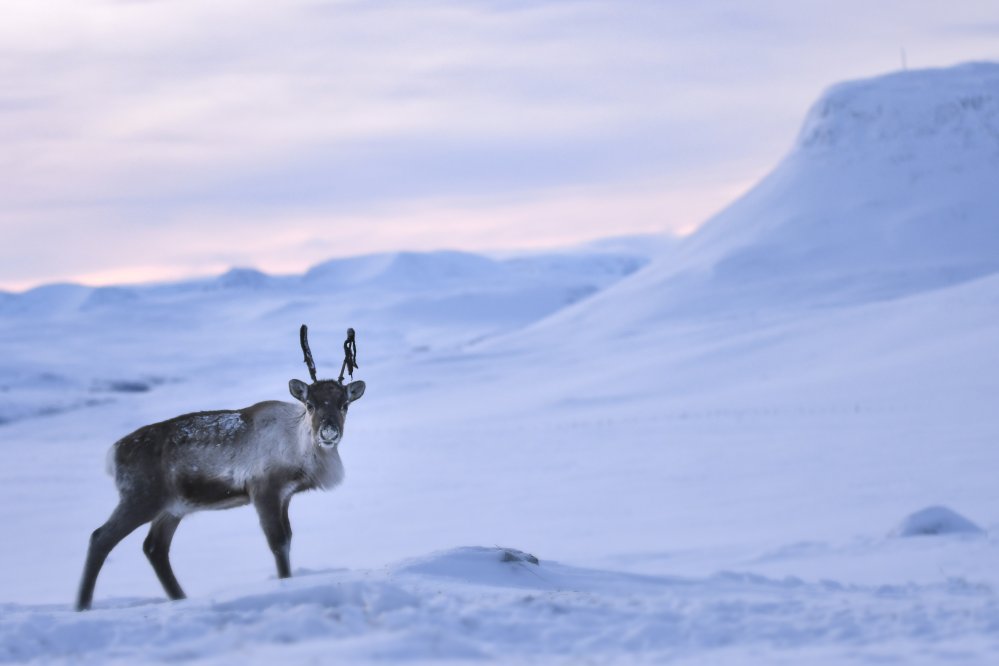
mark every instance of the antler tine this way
{"type": "Point", "coordinates": [308, 352]}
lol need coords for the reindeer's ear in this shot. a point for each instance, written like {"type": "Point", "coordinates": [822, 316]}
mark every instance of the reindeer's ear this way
{"type": "Point", "coordinates": [299, 389]}
{"type": "Point", "coordinates": [355, 390]}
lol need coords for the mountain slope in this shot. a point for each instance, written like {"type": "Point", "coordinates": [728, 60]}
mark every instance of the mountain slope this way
{"type": "Point", "coordinates": [862, 272]}
{"type": "Point", "coordinates": [891, 188]}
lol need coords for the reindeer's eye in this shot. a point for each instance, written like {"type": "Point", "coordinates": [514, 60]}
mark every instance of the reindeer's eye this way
{"type": "Point", "coordinates": [309, 406]}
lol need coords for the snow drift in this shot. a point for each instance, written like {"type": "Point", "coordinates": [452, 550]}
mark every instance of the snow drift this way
{"type": "Point", "coordinates": [468, 605]}
{"type": "Point", "coordinates": [936, 520]}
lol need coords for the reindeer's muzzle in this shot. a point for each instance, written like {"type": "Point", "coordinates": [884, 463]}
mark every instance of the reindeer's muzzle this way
{"type": "Point", "coordinates": [329, 435]}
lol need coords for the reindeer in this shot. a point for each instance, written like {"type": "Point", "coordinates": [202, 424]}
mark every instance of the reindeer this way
{"type": "Point", "coordinates": [262, 454]}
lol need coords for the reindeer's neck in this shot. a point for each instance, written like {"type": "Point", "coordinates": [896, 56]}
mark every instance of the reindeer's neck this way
{"type": "Point", "coordinates": [325, 468]}
{"type": "Point", "coordinates": [306, 442]}
{"type": "Point", "coordinates": [322, 466]}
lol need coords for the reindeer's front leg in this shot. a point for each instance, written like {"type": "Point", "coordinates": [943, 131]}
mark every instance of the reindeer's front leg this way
{"type": "Point", "coordinates": [272, 511]}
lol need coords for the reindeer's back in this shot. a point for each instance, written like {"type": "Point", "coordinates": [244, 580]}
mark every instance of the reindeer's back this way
{"type": "Point", "coordinates": [228, 445]}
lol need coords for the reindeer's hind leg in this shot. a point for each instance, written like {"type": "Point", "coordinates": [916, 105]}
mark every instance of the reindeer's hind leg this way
{"type": "Point", "coordinates": [123, 521]}
{"type": "Point", "coordinates": [157, 549]}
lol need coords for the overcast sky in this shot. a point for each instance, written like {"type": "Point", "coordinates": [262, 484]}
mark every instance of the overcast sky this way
{"type": "Point", "coordinates": [160, 139]}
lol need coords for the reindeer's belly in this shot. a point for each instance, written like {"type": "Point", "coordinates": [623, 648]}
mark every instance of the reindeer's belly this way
{"type": "Point", "coordinates": [197, 493]}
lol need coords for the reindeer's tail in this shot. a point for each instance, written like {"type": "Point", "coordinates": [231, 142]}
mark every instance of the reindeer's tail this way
{"type": "Point", "coordinates": [110, 466]}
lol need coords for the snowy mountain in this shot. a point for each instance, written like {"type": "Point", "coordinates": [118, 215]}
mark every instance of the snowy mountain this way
{"type": "Point", "coordinates": [772, 442]}
{"type": "Point", "coordinates": [890, 193]}
{"type": "Point", "coordinates": [890, 189]}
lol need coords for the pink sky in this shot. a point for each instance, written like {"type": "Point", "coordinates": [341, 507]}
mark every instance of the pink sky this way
{"type": "Point", "coordinates": [148, 140]}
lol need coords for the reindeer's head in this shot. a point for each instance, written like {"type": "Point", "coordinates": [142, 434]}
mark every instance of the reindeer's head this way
{"type": "Point", "coordinates": [326, 401]}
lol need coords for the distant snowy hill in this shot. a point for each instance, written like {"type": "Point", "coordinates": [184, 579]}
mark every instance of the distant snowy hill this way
{"type": "Point", "coordinates": [68, 346]}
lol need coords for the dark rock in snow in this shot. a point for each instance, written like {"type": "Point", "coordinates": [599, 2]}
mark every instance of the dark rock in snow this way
{"type": "Point", "coordinates": [514, 555]}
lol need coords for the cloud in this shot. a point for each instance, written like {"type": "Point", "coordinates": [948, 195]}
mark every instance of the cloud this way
{"type": "Point", "coordinates": [165, 122]}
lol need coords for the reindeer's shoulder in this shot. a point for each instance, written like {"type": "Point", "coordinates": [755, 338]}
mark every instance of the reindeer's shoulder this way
{"type": "Point", "coordinates": [271, 411]}
{"type": "Point", "coordinates": [220, 425]}
{"type": "Point", "coordinates": [273, 420]}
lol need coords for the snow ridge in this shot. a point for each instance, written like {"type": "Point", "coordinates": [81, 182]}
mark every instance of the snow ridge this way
{"type": "Point", "coordinates": [470, 604]}
{"type": "Point", "coordinates": [954, 112]}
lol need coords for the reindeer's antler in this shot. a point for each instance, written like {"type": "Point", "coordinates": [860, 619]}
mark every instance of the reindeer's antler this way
{"type": "Point", "coordinates": [308, 353]}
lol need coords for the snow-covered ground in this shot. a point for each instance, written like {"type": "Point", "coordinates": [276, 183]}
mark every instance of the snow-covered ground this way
{"type": "Point", "coordinates": [473, 603]}
{"type": "Point", "coordinates": [745, 447]}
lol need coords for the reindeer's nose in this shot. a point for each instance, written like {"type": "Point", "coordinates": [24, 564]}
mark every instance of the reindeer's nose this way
{"type": "Point", "coordinates": [329, 434]}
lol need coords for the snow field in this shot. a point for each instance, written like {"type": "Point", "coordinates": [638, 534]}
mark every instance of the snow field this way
{"type": "Point", "coordinates": [721, 440]}
{"type": "Point", "coordinates": [468, 604]}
